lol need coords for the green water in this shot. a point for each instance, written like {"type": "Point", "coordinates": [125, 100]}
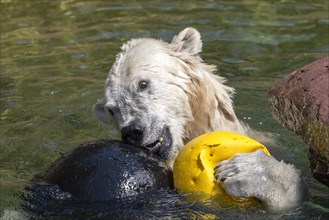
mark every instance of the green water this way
{"type": "Point", "coordinates": [55, 56]}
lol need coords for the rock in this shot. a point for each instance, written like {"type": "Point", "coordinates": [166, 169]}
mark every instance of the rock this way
{"type": "Point", "coordinates": [107, 169]}
{"type": "Point", "coordinates": [300, 102]}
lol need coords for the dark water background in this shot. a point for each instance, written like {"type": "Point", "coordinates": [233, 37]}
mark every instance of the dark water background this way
{"type": "Point", "coordinates": [55, 56]}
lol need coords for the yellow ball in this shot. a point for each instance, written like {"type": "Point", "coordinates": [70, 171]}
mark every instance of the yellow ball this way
{"type": "Point", "coordinates": [194, 166]}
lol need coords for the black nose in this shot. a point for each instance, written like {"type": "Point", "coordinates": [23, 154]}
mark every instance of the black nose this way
{"type": "Point", "coordinates": [133, 133]}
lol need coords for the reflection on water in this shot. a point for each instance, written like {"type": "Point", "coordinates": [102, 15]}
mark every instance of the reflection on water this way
{"type": "Point", "coordinates": [55, 56]}
{"type": "Point", "coordinates": [48, 201]}
{"type": "Point", "coordinates": [51, 202]}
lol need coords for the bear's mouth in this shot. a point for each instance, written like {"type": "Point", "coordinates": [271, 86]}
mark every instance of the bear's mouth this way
{"type": "Point", "coordinates": [155, 143]}
{"type": "Point", "coordinates": [162, 145]}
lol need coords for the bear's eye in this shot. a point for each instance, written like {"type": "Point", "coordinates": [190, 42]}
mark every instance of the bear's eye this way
{"type": "Point", "coordinates": [142, 85]}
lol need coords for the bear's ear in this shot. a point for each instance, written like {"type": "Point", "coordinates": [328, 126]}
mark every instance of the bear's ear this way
{"type": "Point", "coordinates": [188, 40]}
{"type": "Point", "coordinates": [99, 110]}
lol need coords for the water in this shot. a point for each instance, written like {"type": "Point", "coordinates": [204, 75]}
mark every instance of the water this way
{"type": "Point", "coordinates": [55, 56]}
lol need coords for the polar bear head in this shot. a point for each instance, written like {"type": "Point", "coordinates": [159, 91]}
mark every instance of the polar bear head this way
{"type": "Point", "coordinates": [161, 95]}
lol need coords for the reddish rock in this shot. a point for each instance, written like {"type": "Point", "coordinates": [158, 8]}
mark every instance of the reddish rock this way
{"type": "Point", "coordinates": [300, 102]}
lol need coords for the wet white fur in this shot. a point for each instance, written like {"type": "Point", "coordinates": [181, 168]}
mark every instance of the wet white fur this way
{"type": "Point", "coordinates": [185, 95]}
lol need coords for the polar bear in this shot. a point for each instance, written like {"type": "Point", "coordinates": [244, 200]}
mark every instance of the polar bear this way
{"type": "Point", "coordinates": [161, 95]}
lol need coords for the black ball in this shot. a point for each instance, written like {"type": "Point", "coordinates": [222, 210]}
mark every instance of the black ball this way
{"type": "Point", "coordinates": [108, 169]}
